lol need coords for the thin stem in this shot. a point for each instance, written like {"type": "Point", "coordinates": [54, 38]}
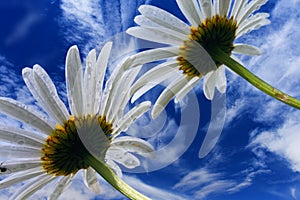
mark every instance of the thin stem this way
{"type": "Point", "coordinates": [222, 57]}
{"type": "Point", "coordinates": [114, 180]}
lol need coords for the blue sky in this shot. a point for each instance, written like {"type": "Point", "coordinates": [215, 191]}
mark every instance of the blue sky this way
{"type": "Point", "coordinates": [257, 155]}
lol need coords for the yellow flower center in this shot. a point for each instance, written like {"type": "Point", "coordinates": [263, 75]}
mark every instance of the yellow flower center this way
{"type": "Point", "coordinates": [66, 148]}
{"type": "Point", "coordinates": [216, 32]}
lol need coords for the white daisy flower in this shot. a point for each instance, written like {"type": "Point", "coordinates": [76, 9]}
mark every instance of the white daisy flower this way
{"type": "Point", "coordinates": [68, 143]}
{"type": "Point", "coordinates": [211, 25]}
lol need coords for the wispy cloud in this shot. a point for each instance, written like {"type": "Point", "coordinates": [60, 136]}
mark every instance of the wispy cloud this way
{"type": "Point", "coordinates": [198, 177]}
{"type": "Point", "coordinates": [24, 25]}
{"type": "Point", "coordinates": [154, 192]}
{"type": "Point", "coordinates": [8, 78]}
{"type": "Point", "coordinates": [279, 66]}
{"type": "Point", "coordinates": [202, 183]}
{"type": "Point", "coordinates": [283, 141]}
{"type": "Point", "coordinates": [89, 23]}
{"type": "Point", "coordinates": [206, 181]}
{"type": "Point", "coordinates": [248, 180]}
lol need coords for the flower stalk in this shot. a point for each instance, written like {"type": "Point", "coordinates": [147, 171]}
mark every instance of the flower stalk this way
{"type": "Point", "coordinates": [114, 180]}
{"type": "Point", "coordinates": [222, 57]}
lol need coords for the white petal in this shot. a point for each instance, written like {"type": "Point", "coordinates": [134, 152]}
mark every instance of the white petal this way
{"type": "Point", "coordinates": [74, 81]}
{"type": "Point", "coordinates": [89, 83]}
{"type": "Point", "coordinates": [110, 86]}
{"type": "Point", "coordinates": [101, 66]}
{"type": "Point", "coordinates": [162, 35]}
{"type": "Point", "coordinates": [20, 137]}
{"type": "Point", "coordinates": [156, 75]}
{"type": "Point", "coordinates": [44, 91]}
{"type": "Point", "coordinates": [154, 55]}
{"type": "Point", "coordinates": [215, 8]}
{"type": "Point", "coordinates": [47, 90]}
{"type": "Point", "coordinates": [61, 186]}
{"type": "Point", "coordinates": [140, 92]}
{"type": "Point", "coordinates": [246, 49]}
{"type": "Point", "coordinates": [25, 114]}
{"type": "Point", "coordinates": [168, 93]}
{"type": "Point", "coordinates": [131, 116]}
{"type": "Point", "coordinates": [18, 165]}
{"type": "Point", "coordinates": [145, 22]}
{"type": "Point", "coordinates": [122, 91]}
{"type": "Point", "coordinates": [164, 19]}
{"type": "Point", "coordinates": [123, 157]}
{"type": "Point", "coordinates": [209, 84]}
{"type": "Point", "coordinates": [186, 89]}
{"type": "Point", "coordinates": [206, 8]}
{"type": "Point", "coordinates": [19, 152]}
{"type": "Point", "coordinates": [21, 176]}
{"type": "Point", "coordinates": [253, 23]}
{"type": "Point", "coordinates": [251, 7]}
{"type": "Point", "coordinates": [191, 11]}
{"type": "Point", "coordinates": [114, 167]}
{"type": "Point", "coordinates": [237, 7]}
{"type": "Point", "coordinates": [215, 79]}
{"type": "Point", "coordinates": [30, 188]}
{"type": "Point", "coordinates": [216, 125]}
{"type": "Point", "coordinates": [134, 145]}
{"type": "Point", "coordinates": [224, 6]}
{"type": "Point", "coordinates": [125, 101]}
{"type": "Point", "coordinates": [90, 180]}
{"type": "Point", "coordinates": [221, 81]}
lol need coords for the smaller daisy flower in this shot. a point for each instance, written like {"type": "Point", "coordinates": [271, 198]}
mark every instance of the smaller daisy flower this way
{"type": "Point", "coordinates": [61, 146]}
{"type": "Point", "coordinates": [212, 27]}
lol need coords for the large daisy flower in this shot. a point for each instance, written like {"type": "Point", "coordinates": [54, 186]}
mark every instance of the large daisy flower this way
{"type": "Point", "coordinates": [211, 25]}
{"type": "Point", "coordinates": [57, 148]}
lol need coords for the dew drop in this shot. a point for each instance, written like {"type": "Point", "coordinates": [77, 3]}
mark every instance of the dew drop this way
{"type": "Point", "coordinates": [21, 142]}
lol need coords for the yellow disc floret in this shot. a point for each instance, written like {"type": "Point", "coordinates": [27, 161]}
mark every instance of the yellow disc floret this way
{"type": "Point", "coordinates": [64, 152]}
{"type": "Point", "coordinates": [216, 32]}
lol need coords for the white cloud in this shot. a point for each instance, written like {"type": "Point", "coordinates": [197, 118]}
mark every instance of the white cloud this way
{"type": "Point", "coordinates": [279, 66]}
{"type": "Point", "coordinates": [197, 177]}
{"type": "Point", "coordinates": [82, 20]}
{"type": "Point", "coordinates": [203, 182]}
{"type": "Point", "coordinates": [293, 193]}
{"type": "Point", "coordinates": [283, 141]}
{"type": "Point", "coordinates": [247, 181]}
{"type": "Point", "coordinates": [22, 29]}
{"type": "Point", "coordinates": [153, 192]}
{"type": "Point", "coordinates": [92, 22]}
{"type": "Point", "coordinates": [218, 186]}
{"type": "Point", "coordinates": [33, 14]}
{"type": "Point", "coordinates": [8, 78]}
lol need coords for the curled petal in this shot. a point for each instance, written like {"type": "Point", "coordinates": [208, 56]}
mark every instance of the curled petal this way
{"type": "Point", "coordinates": [123, 157]}
{"type": "Point", "coordinates": [135, 145]}
{"type": "Point", "coordinates": [246, 49]}
{"type": "Point", "coordinates": [90, 180]}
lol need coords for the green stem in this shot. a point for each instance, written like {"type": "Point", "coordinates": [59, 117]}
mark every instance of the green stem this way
{"type": "Point", "coordinates": [222, 57]}
{"type": "Point", "coordinates": [114, 180]}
